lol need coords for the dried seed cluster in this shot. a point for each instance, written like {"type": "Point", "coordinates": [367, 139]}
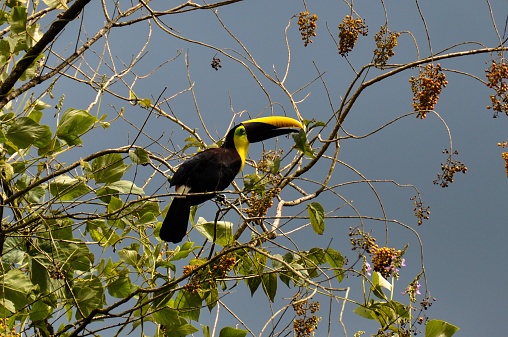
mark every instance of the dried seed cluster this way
{"type": "Point", "coordinates": [55, 271]}
{"type": "Point", "coordinates": [385, 42]}
{"type": "Point", "coordinates": [348, 33]}
{"type": "Point", "coordinates": [426, 89]}
{"type": "Point", "coordinates": [427, 302]}
{"type": "Point", "coordinates": [448, 169]}
{"type": "Point", "coordinates": [305, 326]}
{"type": "Point", "coordinates": [361, 240]}
{"type": "Point", "coordinates": [497, 75]}
{"type": "Point", "coordinates": [386, 260]}
{"type": "Point", "coordinates": [262, 199]}
{"type": "Point", "coordinates": [206, 278]}
{"type": "Point", "coordinates": [307, 26]}
{"type": "Point", "coordinates": [258, 206]}
{"type": "Point", "coordinates": [421, 212]}
{"type": "Point", "coordinates": [505, 156]}
{"type": "Point", "coordinates": [216, 63]}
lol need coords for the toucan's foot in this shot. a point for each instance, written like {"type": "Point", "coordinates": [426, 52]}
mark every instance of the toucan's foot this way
{"type": "Point", "coordinates": [221, 198]}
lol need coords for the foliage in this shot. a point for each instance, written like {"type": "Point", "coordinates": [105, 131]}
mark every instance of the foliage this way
{"type": "Point", "coordinates": [80, 249]}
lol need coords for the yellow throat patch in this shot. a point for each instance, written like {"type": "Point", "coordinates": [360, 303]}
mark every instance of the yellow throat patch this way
{"type": "Point", "coordinates": [241, 144]}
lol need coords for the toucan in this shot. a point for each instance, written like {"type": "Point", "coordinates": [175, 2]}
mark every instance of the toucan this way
{"type": "Point", "coordinates": [213, 169]}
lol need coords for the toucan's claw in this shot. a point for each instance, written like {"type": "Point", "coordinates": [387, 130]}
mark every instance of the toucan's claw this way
{"type": "Point", "coordinates": [221, 199]}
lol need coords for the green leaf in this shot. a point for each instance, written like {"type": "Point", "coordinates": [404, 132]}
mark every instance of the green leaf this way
{"type": "Point", "coordinates": [18, 19]}
{"type": "Point", "coordinates": [53, 146]}
{"type": "Point", "coordinates": [317, 217]}
{"type": "Point", "coordinates": [40, 277]}
{"type": "Point", "coordinates": [364, 312]}
{"type": "Point", "coordinates": [212, 298]}
{"type": "Point", "coordinates": [121, 287]}
{"type": "Point", "coordinates": [275, 165]}
{"type": "Point", "coordinates": [146, 102]}
{"type": "Point", "coordinates": [25, 132]}
{"type": "Point", "coordinates": [206, 330]}
{"type": "Point", "coordinates": [121, 186]}
{"type": "Point", "coordinates": [166, 316]}
{"type": "Point", "coordinates": [29, 72]}
{"type": "Point", "coordinates": [3, 139]}
{"type": "Point", "coordinates": [224, 236]}
{"type": "Point", "coordinates": [102, 233]}
{"type": "Point", "coordinates": [180, 331]}
{"type": "Point", "coordinates": [302, 145]}
{"type": "Point", "coordinates": [33, 36]}
{"type": "Point", "coordinates": [16, 287]}
{"type": "Point", "coordinates": [119, 216]}
{"type": "Point", "coordinates": [311, 124]}
{"type": "Point", "coordinates": [232, 332]}
{"type": "Point", "coordinates": [336, 261]}
{"type": "Point", "coordinates": [89, 294]}
{"type": "Point", "coordinates": [3, 17]}
{"type": "Point", "coordinates": [66, 188]}
{"type": "Point", "coordinates": [40, 311]}
{"type": "Point", "coordinates": [386, 313]}
{"type": "Point", "coordinates": [73, 124]}
{"type": "Point", "coordinates": [184, 251]}
{"type": "Point", "coordinates": [255, 183]}
{"type": "Point", "coordinates": [316, 255]}
{"type": "Point", "coordinates": [55, 3]}
{"type": "Point", "coordinates": [438, 328]}
{"type": "Point", "coordinates": [139, 156]}
{"type": "Point", "coordinates": [109, 168]}
{"type": "Point", "coordinates": [191, 142]}
{"type": "Point", "coordinates": [270, 285]}
{"type": "Point", "coordinates": [188, 304]}
{"type": "Point", "coordinates": [35, 194]}
{"type": "Point", "coordinates": [253, 284]}
{"type": "Point", "coordinates": [129, 256]}
{"type": "Point", "coordinates": [13, 249]}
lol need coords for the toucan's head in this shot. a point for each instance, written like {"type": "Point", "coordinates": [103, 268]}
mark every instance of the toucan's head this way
{"type": "Point", "coordinates": [257, 130]}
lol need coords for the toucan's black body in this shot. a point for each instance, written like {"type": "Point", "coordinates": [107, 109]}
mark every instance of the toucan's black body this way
{"type": "Point", "coordinates": [207, 171]}
{"type": "Point", "coordinates": [212, 170]}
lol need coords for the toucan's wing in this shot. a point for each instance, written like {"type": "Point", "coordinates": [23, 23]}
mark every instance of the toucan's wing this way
{"type": "Point", "coordinates": [207, 171]}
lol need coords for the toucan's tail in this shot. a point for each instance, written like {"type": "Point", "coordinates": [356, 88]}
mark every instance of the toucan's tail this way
{"type": "Point", "coordinates": [175, 224]}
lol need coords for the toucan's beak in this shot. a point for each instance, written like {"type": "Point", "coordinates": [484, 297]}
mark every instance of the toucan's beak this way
{"type": "Point", "coordinates": [260, 129]}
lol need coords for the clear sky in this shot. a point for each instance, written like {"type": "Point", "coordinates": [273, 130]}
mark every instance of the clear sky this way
{"type": "Point", "coordinates": [464, 241]}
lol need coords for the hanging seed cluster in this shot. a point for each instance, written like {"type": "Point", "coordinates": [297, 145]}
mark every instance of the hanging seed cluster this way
{"type": "Point", "coordinates": [216, 63]}
{"type": "Point", "coordinates": [426, 89]}
{"type": "Point", "coordinates": [349, 30]}
{"type": "Point", "coordinates": [504, 155]}
{"type": "Point", "coordinates": [307, 26]}
{"type": "Point", "coordinates": [421, 212]}
{"type": "Point", "coordinates": [386, 260]}
{"type": "Point", "coordinates": [305, 325]}
{"type": "Point", "coordinates": [385, 42]}
{"type": "Point", "coordinates": [448, 169]}
{"type": "Point", "coordinates": [497, 76]}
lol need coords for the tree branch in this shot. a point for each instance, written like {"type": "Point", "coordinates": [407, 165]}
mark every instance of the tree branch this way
{"type": "Point", "coordinates": [56, 27]}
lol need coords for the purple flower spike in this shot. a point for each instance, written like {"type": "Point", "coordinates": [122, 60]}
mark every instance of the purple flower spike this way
{"type": "Point", "coordinates": [369, 268]}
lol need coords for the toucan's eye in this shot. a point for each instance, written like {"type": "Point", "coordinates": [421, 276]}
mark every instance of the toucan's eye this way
{"type": "Point", "coordinates": [241, 131]}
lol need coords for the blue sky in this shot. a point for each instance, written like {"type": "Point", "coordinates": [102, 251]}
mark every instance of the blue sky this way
{"type": "Point", "coordinates": [464, 240]}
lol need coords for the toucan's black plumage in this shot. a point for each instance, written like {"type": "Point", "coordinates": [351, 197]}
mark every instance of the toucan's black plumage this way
{"type": "Point", "coordinates": [212, 170]}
